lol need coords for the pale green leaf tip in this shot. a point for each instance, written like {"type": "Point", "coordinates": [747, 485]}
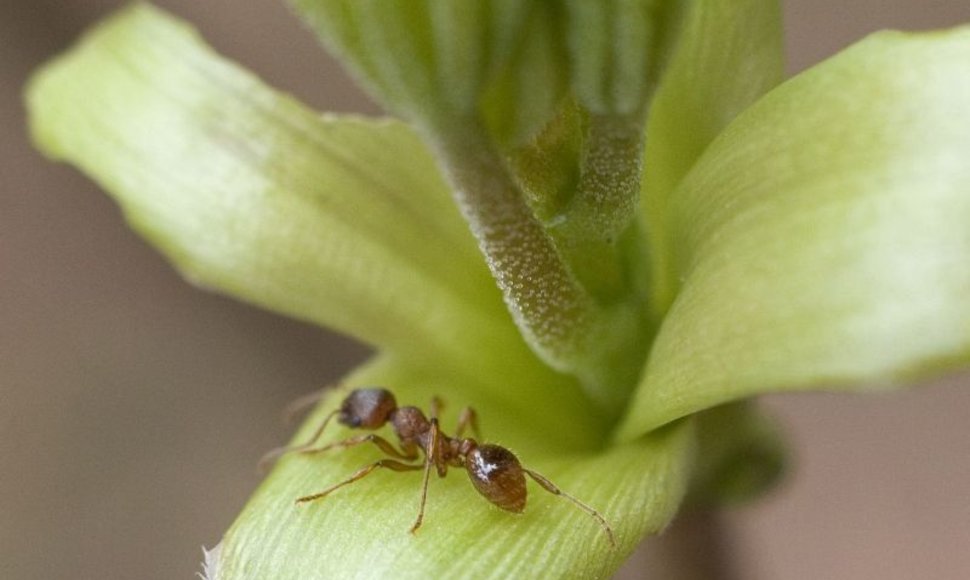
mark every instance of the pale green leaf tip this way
{"type": "Point", "coordinates": [250, 193]}
{"type": "Point", "coordinates": [41, 92]}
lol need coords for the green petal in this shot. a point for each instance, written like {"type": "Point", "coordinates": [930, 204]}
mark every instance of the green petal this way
{"type": "Point", "coordinates": [362, 530]}
{"type": "Point", "coordinates": [343, 222]}
{"type": "Point", "coordinates": [824, 238]}
{"type": "Point", "coordinates": [729, 54]}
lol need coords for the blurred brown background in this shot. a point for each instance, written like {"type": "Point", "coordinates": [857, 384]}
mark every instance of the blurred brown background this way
{"type": "Point", "coordinates": [133, 407]}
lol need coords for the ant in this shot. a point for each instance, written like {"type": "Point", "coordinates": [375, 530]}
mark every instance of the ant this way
{"type": "Point", "coordinates": [494, 471]}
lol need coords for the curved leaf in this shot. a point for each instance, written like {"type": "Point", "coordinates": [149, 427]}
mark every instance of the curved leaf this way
{"type": "Point", "coordinates": [343, 222]}
{"type": "Point", "coordinates": [362, 530]}
{"type": "Point", "coordinates": [824, 238]}
{"type": "Point", "coordinates": [728, 54]}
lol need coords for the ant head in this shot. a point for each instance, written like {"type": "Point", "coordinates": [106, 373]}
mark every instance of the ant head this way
{"type": "Point", "coordinates": [497, 474]}
{"type": "Point", "coordinates": [367, 408]}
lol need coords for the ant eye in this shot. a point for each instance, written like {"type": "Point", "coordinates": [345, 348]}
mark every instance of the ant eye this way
{"type": "Point", "coordinates": [349, 420]}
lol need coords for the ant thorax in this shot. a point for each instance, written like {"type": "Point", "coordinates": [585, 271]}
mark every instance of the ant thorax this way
{"type": "Point", "coordinates": [410, 424]}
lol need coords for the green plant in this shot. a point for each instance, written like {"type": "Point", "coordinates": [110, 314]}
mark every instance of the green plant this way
{"type": "Point", "coordinates": [667, 232]}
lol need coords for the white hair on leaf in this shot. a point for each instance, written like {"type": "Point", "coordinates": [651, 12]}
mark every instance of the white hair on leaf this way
{"type": "Point", "coordinates": [210, 563]}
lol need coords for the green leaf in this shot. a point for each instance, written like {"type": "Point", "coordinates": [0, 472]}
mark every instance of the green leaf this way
{"type": "Point", "coordinates": [250, 192]}
{"type": "Point", "coordinates": [524, 94]}
{"type": "Point", "coordinates": [728, 54]}
{"type": "Point", "coordinates": [612, 46]}
{"type": "Point", "coordinates": [362, 530]}
{"type": "Point", "coordinates": [435, 62]}
{"type": "Point", "coordinates": [390, 46]}
{"type": "Point", "coordinates": [823, 239]}
{"type": "Point", "coordinates": [343, 222]}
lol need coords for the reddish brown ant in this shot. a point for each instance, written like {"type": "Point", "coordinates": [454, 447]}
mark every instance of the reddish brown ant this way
{"type": "Point", "coordinates": [495, 471]}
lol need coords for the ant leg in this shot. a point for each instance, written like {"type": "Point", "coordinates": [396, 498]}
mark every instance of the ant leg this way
{"type": "Point", "coordinates": [360, 474]}
{"type": "Point", "coordinates": [468, 418]}
{"type": "Point", "coordinates": [271, 456]}
{"type": "Point", "coordinates": [551, 488]}
{"type": "Point", "coordinates": [409, 452]}
{"type": "Point", "coordinates": [431, 457]}
{"type": "Point", "coordinates": [436, 405]}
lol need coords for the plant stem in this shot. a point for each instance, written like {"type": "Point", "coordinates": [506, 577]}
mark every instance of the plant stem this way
{"type": "Point", "coordinates": [560, 318]}
{"type": "Point", "coordinates": [550, 307]}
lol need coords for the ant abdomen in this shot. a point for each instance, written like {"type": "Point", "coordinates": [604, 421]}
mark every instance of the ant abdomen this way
{"type": "Point", "coordinates": [497, 474]}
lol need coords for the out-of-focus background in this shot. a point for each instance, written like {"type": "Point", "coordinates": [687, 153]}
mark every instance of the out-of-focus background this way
{"type": "Point", "coordinates": [133, 407]}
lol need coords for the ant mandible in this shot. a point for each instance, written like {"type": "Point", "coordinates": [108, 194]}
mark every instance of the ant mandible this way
{"type": "Point", "coordinates": [495, 471]}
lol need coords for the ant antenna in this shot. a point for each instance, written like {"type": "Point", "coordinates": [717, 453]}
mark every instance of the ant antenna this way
{"type": "Point", "coordinates": [300, 405]}
{"type": "Point", "coordinates": [271, 456]}
{"type": "Point", "coordinates": [551, 488]}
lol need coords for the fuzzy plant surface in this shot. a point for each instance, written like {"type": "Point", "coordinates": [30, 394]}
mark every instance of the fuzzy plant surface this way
{"type": "Point", "coordinates": [605, 225]}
